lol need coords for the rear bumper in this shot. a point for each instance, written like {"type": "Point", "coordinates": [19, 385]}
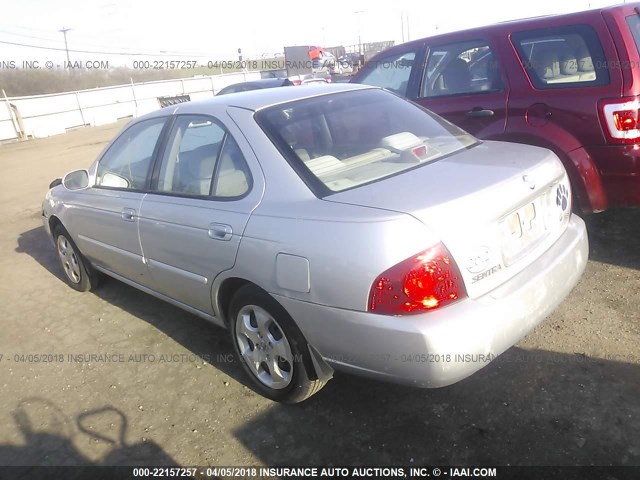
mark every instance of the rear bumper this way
{"type": "Point", "coordinates": [442, 347]}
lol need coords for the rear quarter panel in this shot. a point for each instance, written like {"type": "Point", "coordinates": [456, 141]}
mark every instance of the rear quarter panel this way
{"type": "Point", "coordinates": [567, 117]}
{"type": "Point", "coordinates": [346, 246]}
{"type": "Point", "coordinates": [564, 120]}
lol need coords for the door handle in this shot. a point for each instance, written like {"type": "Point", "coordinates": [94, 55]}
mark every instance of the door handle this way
{"type": "Point", "coordinates": [479, 113]}
{"type": "Point", "coordinates": [220, 231]}
{"type": "Point", "coordinates": [128, 215]}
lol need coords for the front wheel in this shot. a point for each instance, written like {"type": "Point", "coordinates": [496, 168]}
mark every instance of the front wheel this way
{"type": "Point", "coordinates": [77, 273]}
{"type": "Point", "coordinates": [271, 348]}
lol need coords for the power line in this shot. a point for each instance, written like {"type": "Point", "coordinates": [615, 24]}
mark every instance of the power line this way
{"type": "Point", "coordinates": [92, 45]}
{"type": "Point", "coordinates": [164, 54]}
{"type": "Point", "coordinates": [14, 34]}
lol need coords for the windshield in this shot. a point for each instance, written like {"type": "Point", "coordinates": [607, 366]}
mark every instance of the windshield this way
{"type": "Point", "coordinates": [344, 140]}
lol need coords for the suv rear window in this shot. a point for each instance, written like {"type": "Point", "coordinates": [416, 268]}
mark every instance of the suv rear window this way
{"type": "Point", "coordinates": [343, 140]}
{"type": "Point", "coordinates": [562, 57]}
{"type": "Point", "coordinates": [634, 24]}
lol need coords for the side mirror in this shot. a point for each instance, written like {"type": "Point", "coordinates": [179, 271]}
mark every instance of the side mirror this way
{"type": "Point", "coordinates": [114, 180]}
{"type": "Point", "coordinates": [76, 180]}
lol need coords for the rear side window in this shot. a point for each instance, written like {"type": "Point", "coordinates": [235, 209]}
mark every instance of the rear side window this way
{"type": "Point", "coordinates": [202, 159]}
{"type": "Point", "coordinates": [562, 57]}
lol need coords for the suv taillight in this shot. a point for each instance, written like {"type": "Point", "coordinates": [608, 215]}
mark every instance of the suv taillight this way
{"type": "Point", "coordinates": [621, 119]}
{"type": "Point", "coordinates": [424, 282]}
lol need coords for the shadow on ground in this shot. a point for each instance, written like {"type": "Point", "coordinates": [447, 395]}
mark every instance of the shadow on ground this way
{"type": "Point", "coordinates": [526, 408]}
{"type": "Point", "coordinates": [37, 245]}
{"type": "Point", "coordinates": [614, 237]}
{"type": "Point", "coordinates": [197, 335]}
{"type": "Point", "coordinates": [49, 435]}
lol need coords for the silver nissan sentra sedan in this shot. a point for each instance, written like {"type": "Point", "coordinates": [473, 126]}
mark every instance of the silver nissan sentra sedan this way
{"type": "Point", "coordinates": [327, 227]}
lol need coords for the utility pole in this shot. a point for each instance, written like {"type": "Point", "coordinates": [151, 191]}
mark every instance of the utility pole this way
{"type": "Point", "coordinates": [66, 47]}
{"type": "Point", "coordinates": [359, 32]}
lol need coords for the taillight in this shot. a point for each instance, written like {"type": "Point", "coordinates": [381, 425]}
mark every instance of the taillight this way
{"type": "Point", "coordinates": [424, 282]}
{"type": "Point", "coordinates": [420, 152]}
{"type": "Point", "coordinates": [621, 119]}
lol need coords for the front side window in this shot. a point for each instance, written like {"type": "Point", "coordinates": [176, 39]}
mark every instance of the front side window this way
{"type": "Point", "coordinates": [391, 72]}
{"type": "Point", "coordinates": [341, 141]}
{"type": "Point", "coordinates": [127, 161]}
{"type": "Point", "coordinates": [562, 57]}
{"type": "Point", "coordinates": [202, 158]}
{"type": "Point", "coordinates": [462, 68]}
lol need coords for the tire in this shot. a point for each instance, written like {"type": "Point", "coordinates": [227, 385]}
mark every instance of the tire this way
{"type": "Point", "coordinates": [78, 273]}
{"type": "Point", "coordinates": [271, 348]}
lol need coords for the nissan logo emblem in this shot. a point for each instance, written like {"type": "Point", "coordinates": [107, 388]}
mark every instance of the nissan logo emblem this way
{"type": "Point", "coordinates": [529, 182]}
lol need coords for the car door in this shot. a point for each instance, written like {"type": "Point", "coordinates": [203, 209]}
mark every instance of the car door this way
{"type": "Point", "coordinates": [192, 220]}
{"type": "Point", "coordinates": [105, 217]}
{"type": "Point", "coordinates": [464, 82]}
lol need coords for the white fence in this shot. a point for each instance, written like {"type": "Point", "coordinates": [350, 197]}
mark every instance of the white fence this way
{"type": "Point", "coordinates": [45, 115]}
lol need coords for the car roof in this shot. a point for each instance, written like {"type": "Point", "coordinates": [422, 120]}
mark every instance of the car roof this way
{"type": "Point", "coordinates": [263, 82]}
{"type": "Point", "coordinates": [507, 27]}
{"type": "Point", "coordinates": [258, 99]}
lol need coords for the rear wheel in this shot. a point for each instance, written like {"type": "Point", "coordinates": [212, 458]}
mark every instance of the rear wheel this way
{"type": "Point", "coordinates": [77, 273]}
{"type": "Point", "coordinates": [271, 348]}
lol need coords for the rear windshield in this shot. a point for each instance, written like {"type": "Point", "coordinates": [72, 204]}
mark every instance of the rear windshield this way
{"type": "Point", "coordinates": [344, 140]}
{"type": "Point", "coordinates": [634, 24]}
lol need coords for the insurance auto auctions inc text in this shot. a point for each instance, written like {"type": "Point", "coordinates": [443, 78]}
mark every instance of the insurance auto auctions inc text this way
{"type": "Point", "coordinates": [349, 472]}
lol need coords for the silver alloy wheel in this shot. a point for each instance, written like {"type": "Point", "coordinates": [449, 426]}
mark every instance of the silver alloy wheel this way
{"type": "Point", "coordinates": [264, 347]}
{"type": "Point", "coordinates": [69, 259]}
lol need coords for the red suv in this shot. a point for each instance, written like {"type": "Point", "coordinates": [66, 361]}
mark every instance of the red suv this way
{"type": "Point", "coordinates": [570, 83]}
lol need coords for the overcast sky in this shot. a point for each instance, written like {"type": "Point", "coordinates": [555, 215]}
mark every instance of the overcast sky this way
{"type": "Point", "coordinates": [215, 30]}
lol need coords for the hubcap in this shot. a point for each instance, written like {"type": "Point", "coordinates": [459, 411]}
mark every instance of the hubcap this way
{"type": "Point", "coordinates": [68, 259]}
{"type": "Point", "coordinates": [264, 347]}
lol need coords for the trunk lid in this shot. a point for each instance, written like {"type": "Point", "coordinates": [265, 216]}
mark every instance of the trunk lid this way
{"type": "Point", "coordinates": [496, 207]}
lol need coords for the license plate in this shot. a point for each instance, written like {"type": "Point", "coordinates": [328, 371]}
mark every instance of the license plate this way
{"type": "Point", "coordinates": [521, 230]}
